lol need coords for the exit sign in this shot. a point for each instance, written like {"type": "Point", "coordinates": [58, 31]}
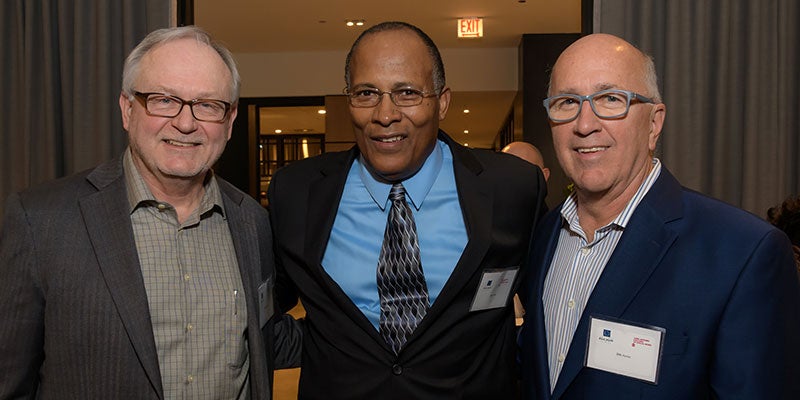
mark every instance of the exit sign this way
{"type": "Point", "coordinates": [470, 27]}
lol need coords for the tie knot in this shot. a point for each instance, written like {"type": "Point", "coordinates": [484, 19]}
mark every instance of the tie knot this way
{"type": "Point", "coordinates": [398, 192]}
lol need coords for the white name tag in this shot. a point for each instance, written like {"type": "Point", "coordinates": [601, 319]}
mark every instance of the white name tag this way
{"type": "Point", "coordinates": [623, 348]}
{"type": "Point", "coordinates": [495, 289]}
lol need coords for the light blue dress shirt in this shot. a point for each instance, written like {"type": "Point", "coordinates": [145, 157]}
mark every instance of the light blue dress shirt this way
{"type": "Point", "coordinates": [351, 256]}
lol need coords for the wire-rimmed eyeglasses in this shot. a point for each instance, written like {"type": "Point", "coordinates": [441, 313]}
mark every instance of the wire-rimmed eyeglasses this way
{"type": "Point", "coordinates": [371, 97]}
{"type": "Point", "coordinates": [606, 104]}
{"type": "Point", "coordinates": [164, 105]}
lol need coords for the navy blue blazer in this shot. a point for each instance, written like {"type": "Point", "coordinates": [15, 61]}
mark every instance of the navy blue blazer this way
{"type": "Point", "coordinates": [721, 282]}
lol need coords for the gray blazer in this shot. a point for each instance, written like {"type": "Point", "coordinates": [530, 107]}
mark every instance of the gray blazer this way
{"type": "Point", "coordinates": [74, 316]}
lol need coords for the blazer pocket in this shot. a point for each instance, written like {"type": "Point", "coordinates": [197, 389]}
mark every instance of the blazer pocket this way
{"type": "Point", "coordinates": [675, 344]}
{"type": "Point", "coordinates": [235, 328]}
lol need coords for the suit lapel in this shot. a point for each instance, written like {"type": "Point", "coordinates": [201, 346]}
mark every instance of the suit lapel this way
{"type": "Point", "coordinates": [477, 207]}
{"type": "Point", "coordinates": [324, 195]}
{"type": "Point", "coordinates": [107, 220]}
{"type": "Point", "coordinates": [643, 244]}
{"type": "Point", "coordinates": [245, 238]}
{"type": "Point", "coordinates": [542, 252]}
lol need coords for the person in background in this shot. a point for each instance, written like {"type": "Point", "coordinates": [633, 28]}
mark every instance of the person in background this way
{"type": "Point", "coordinates": [404, 249]}
{"type": "Point", "coordinates": [531, 154]}
{"type": "Point", "coordinates": [147, 276]}
{"type": "Point", "coordinates": [786, 217]}
{"type": "Point", "coordinates": [638, 287]}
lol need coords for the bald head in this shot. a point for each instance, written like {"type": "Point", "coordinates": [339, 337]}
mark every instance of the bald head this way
{"type": "Point", "coordinates": [529, 153]}
{"type": "Point", "coordinates": [609, 52]}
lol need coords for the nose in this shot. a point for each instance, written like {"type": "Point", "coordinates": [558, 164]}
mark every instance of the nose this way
{"type": "Point", "coordinates": [587, 121]}
{"type": "Point", "coordinates": [185, 121]}
{"type": "Point", "coordinates": [386, 112]}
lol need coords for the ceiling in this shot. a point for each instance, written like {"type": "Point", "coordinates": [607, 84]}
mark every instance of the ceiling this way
{"type": "Point", "coordinates": [269, 26]}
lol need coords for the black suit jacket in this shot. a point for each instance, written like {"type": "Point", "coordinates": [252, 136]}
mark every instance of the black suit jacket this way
{"type": "Point", "coordinates": [74, 316]}
{"type": "Point", "coordinates": [454, 353]}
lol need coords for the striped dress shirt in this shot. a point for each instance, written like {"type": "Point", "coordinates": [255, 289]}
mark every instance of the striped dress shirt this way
{"type": "Point", "coordinates": [575, 269]}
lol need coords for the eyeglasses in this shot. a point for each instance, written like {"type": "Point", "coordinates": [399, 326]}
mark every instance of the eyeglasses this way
{"type": "Point", "coordinates": [371, 97]}
{"type": "Point", "coordinates": [606, 104]}
{"type": "Point", "coordinates": [164, 105]}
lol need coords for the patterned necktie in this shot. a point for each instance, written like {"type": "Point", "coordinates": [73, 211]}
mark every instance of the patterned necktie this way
{"type": "Point", "coordinates": [401, 283]}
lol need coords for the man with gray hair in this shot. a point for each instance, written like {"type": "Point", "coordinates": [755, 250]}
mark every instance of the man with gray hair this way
{"type": "Point", "coordinates": [638, 287]}
{"type": "Point", "coordinates": [148, 276]}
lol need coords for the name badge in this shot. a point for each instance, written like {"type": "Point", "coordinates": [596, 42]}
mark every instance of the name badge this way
{"type": "Point", "coordinates": [494, 289]}
{"type": "Point", "coordinates": [624, 348]}
{"type": "Point", "coordinates": [265, 310]}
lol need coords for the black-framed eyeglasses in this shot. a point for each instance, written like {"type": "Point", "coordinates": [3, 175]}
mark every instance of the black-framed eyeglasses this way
{"type": "Point", "coordinates": [606, 104]}
{"type": "Point", "coordinates": [164, 105]}
{"type": "Point", "coordinates": [371, 97]}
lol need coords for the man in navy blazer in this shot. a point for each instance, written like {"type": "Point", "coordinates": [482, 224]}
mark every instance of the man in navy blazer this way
{"type": "Point", "coordinates": [474, 211]}
{"type": "Point", "coordinates": [146, 277]}
{"type": "Point", "coordinates": [640, 288]}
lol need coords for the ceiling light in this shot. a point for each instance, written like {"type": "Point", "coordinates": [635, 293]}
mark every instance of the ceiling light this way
{"type": "Point", "coordinates": [466, 111]}
{"type": "Point", "coordinates": [321, 111]}
{"type": "Point", "coordinates": [278, 131]}
{"type": "Point", "coordinates": [466, 130]}
{"type": "Point", "coordinates": [354, 22]}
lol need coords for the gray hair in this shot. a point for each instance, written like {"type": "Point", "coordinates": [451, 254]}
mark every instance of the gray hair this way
{"type": "Point", "coordinates": [161, 36]}
{"type": "Point", "coordinates": [433, 51]}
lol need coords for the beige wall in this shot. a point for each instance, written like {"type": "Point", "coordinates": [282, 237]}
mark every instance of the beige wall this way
{"type": "Point", "coordinates": [322, 73]}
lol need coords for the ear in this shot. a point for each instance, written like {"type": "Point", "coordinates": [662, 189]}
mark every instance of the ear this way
{"type": "Point", "coordinates": [546, 173]}
{"type": "Point", "coordinates": [125, 108]}
{"type": "Point", "coordinates": [444, 102]}
{"type": "Point", "coordinates": [657, 115]}
{"type": "Point", "coordinates": [231, 117]}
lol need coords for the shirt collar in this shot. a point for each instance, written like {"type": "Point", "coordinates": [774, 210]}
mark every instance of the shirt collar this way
{"type": "Point", "coordinates": [140, 194]}
{"type": "Point", "coordinates": [569, 211]}
{"type": "Point", "coordinates": [417, 186]}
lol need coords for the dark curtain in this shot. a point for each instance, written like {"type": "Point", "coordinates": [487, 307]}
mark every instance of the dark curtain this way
{"type": "Point", "coordinates": [61, 78]}
{"type": "Point", "coordinates": [728, 71]}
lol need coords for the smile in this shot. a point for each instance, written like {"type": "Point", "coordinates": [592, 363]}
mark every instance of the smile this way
{"type": "Point", "coordinates": [390, 139]}
{"type": "Point", "coordinates": [179, 144]}
{"type": "Point", "coordinates": [585, 150]}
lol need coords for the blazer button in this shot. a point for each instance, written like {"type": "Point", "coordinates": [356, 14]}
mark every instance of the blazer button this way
{"type": "Point", "coordinates": [397, 369]}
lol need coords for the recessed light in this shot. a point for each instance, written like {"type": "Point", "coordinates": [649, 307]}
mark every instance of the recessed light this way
{"type": "Point", "coordinates": [466, 144]}
{"type": "Point", "coordinates": [354, 22]}
{"type": "Point", "coordinates": [466, 111]}
{"type": "Point", "coordinates": [466, 130]}
{"type": "Point", "coordinates": [321, 112]}
{"type": "Point", "coordinates": [278, 131]}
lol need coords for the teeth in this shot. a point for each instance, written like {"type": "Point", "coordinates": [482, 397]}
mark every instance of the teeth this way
{"type": "Point", "coordinates": [391, 139]}
{"type": "Point", "coordinates": [591, 149]}
{"type": "Point", "coordinates": [175, 143]}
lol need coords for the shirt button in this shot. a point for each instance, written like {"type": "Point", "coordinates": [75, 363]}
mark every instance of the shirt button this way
{"type": "Point", "coordinates": [189, 327]}
{"type": "Point", "coordinates": [190, 379]}
{"type": "Point", "coordinates": [186, 277]}
{"type": "Point", "coordinates": [585, 251]}
{"type": "Point", "coordinates": [561, 358]}
{"type": "Point", "coordinates": [162, 206]}
{"type": "Point", "coordinates": [397, 369]}
{"type": "Point", "coordinates": [571, 304]}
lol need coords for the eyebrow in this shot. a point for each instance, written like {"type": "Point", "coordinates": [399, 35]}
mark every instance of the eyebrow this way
{"type": "Point", "coordinates": [597, 88]}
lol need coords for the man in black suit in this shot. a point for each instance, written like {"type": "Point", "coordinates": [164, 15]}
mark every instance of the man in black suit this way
{"type": "Point", "coordinates": [147, 277]}
{"type": "Point", "coordinates": [473, 211]}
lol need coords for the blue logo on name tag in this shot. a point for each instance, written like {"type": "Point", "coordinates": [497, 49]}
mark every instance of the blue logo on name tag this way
{"type": "Point", "coordinates": [606, 332]}
{"type": "Point", "coordinates": [489, 283]}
